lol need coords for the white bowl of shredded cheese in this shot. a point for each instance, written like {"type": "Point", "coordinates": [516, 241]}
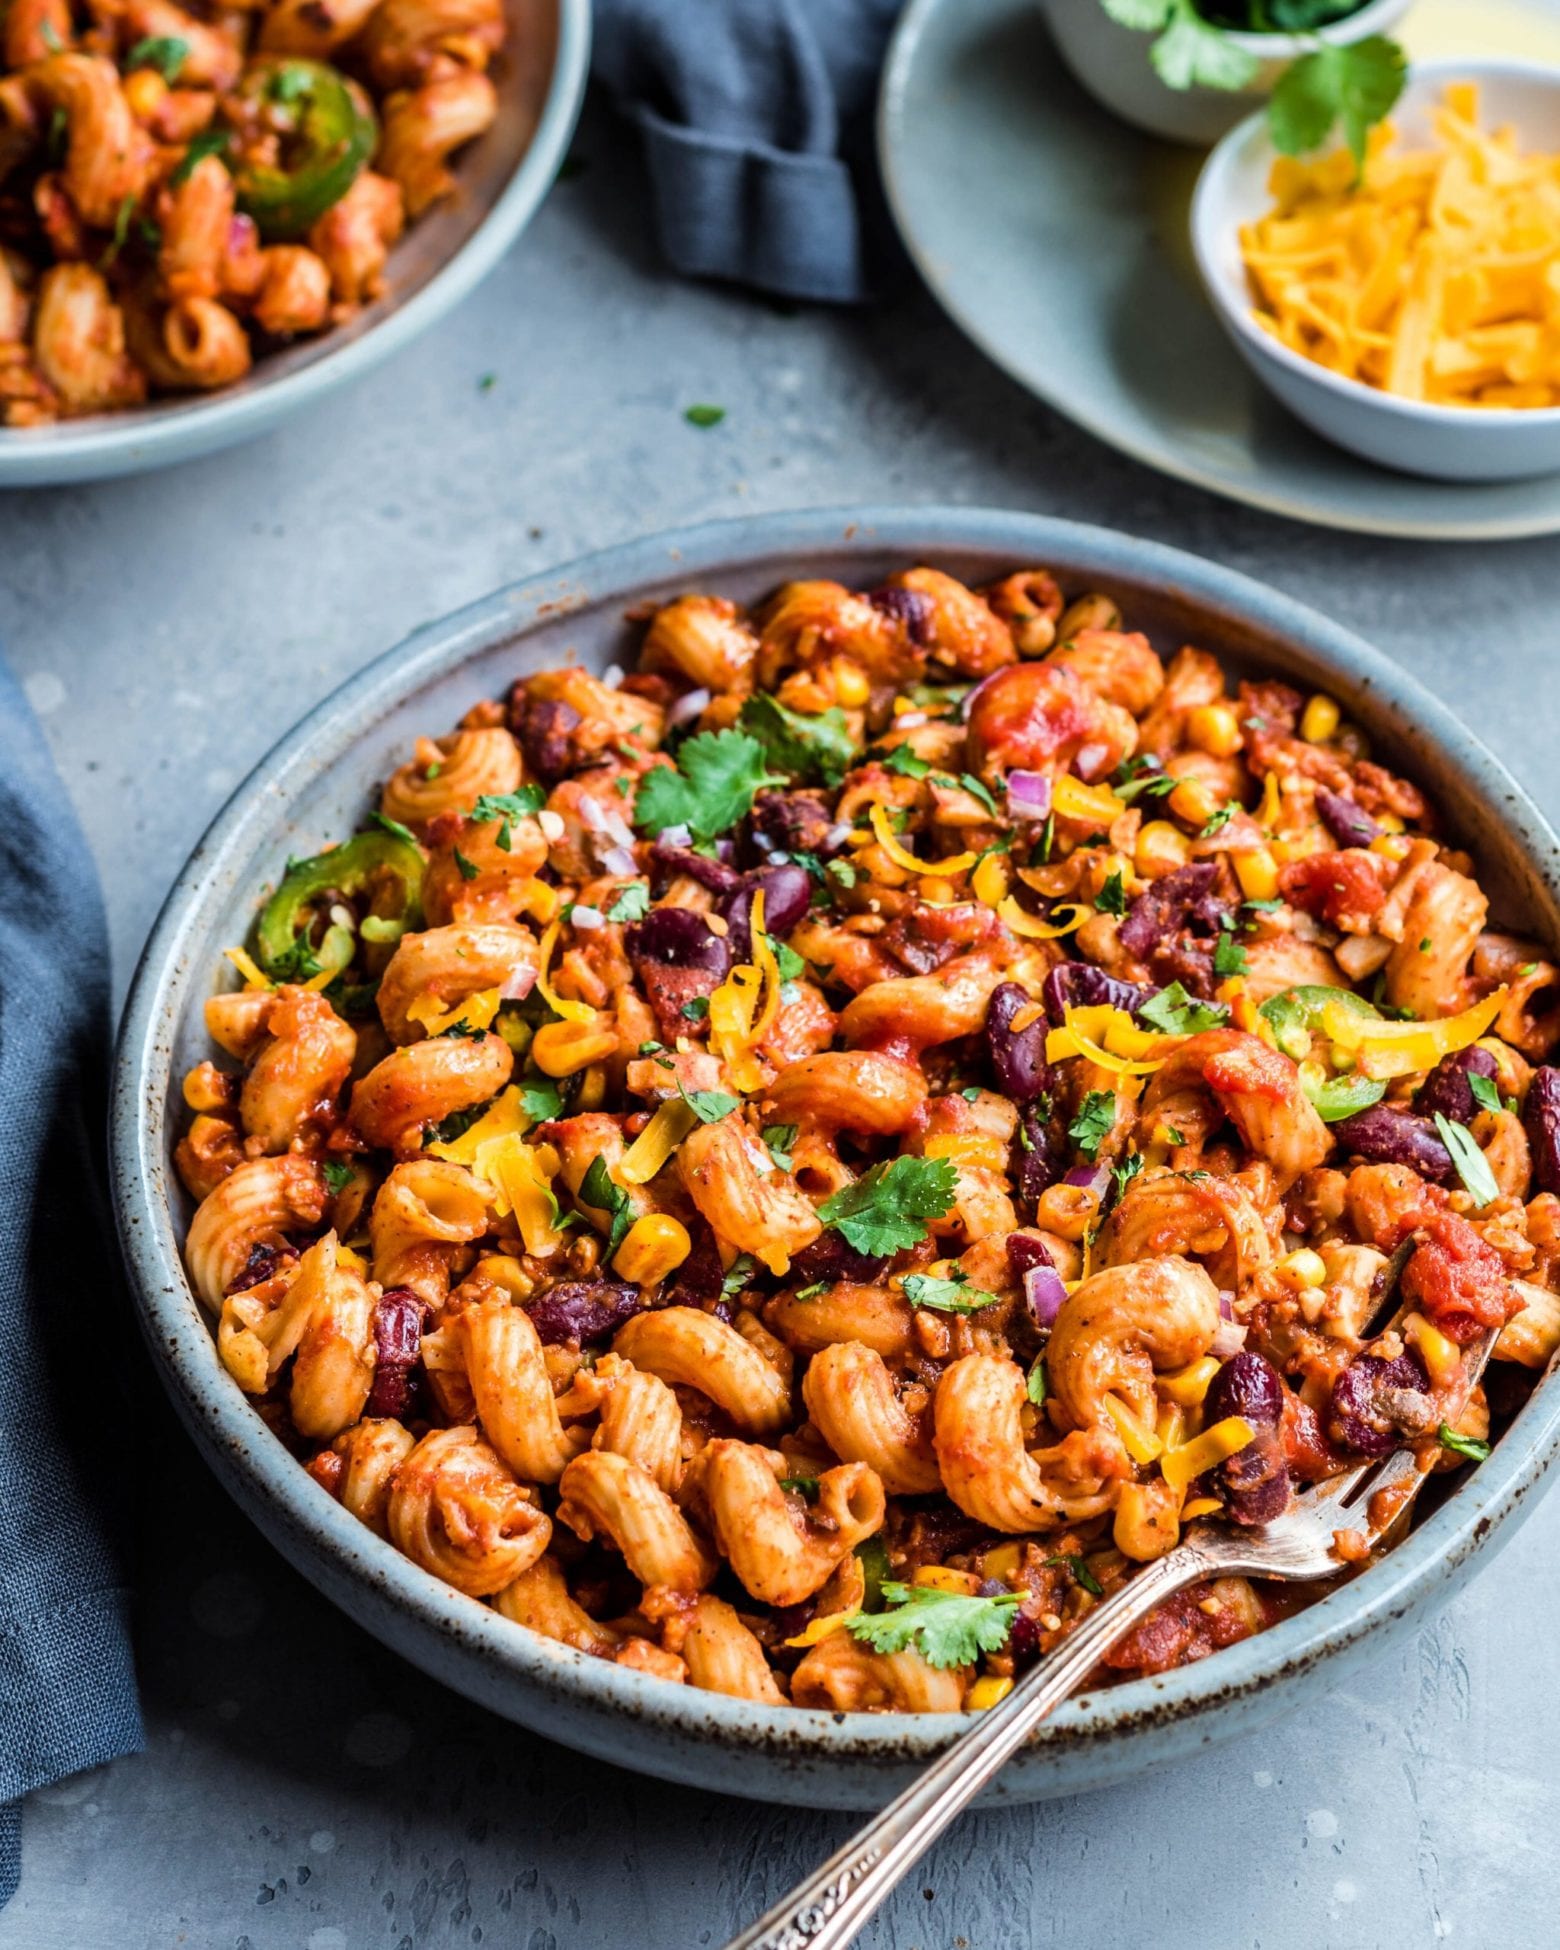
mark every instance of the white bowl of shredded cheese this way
{"type": "Point", "coordinates": [1434, 299]}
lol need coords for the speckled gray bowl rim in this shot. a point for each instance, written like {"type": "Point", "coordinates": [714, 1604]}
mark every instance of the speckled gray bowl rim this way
{"type": "Point", "coordinates": [111, 445]}
{"type": "Point", "coordinates": [175, 970]}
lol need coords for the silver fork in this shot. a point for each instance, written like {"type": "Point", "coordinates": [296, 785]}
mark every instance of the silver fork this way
{"type": "Point", "coordinates": [826, 1911]}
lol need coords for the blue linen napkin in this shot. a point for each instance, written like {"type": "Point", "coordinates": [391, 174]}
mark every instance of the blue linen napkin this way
{"type": "Point", "coordinates": [756, 120]}
{"type": "Point", "coordinates": [67, 1684]}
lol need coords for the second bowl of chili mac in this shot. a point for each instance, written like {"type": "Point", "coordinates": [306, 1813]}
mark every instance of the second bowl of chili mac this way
{"type": "Point", "coordinates": [736, 1140]}
{"type": "Point", "coordinates": [204, 226]}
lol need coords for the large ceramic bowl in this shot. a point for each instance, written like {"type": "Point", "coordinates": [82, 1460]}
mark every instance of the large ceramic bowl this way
{"type": "Point", "coordinates": [316, 785]}
{"type": "Point", "coordinates": [502, 177]}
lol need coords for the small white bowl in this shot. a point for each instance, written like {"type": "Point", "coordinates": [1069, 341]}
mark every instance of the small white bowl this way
{"type": "Point", "coordinates": [1113, 63]}
{"type": "Point", "coordinates": [1448, 443]}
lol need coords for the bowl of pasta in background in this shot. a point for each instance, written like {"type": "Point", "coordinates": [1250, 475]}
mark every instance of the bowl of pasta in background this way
{"type": "Point", "coordinates": [501, 180]}
{"type": "Point", "coordinates": [316, 784]}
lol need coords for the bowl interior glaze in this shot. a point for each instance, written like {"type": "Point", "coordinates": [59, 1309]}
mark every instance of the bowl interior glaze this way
{"type": "Point", "coordinates": [315, 788]}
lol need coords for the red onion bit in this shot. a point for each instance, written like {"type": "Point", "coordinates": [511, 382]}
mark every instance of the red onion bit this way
{"type": "Point", "coordinates": [689, 705]}
{"type": "Point", "coordinates": [1028, 795]}
{"type": "Point", "coordinates": [1044, 1294]}
{"type": "Point", "coordinates": [1229, 1338]}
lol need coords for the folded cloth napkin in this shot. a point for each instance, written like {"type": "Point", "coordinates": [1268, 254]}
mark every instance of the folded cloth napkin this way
{"type": "Point", "coordinates": [67, 1685]}
{"type": "Point", "coordinates": [756, 119]}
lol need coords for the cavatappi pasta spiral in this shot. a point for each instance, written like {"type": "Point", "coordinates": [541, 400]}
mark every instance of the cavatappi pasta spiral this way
{"type": "Point", "coordinates": [799, 1168]}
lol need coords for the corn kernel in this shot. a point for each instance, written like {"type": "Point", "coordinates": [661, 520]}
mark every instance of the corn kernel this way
{"type": "Point", "coordinates": [592, 1093]}
{"type": "Point", "coordinates": [1392, 846]}
{"type": "Point", "coordinates": [938, 893]}
{"type": "Point", "coordinates": [1215, 729]}
{"type": "Point", "coordinates": [651, 1247]}
{"type": "Point", "coordinates": [1200, 1506]}
{"type": "Point", "coordinates": [1389, 822]}
{"type": "Point", "coordinates": [1319, 720]}
{"type": "Point", "coordinates": [1160, 849]}
{"type": "Point", "coordinates": [1284, 851]}
{"type": "Point", "coordinates": [1257, 872]}
{"type": "Point", "coordinates": [1002, 1561]}
{"type": "Point", "coordinates": [992, 880]}
{"type": "Point", "coordinates": [1188, 1385]}
{"type": "Point", "coordinates": [1442, 1357]}
{"type": "Point", "coordinates": [1170, 1424]}
{"type": "Point", "coordinates": [561, 1048]}
{"type": "Point", "coordinates": [1302, 1268]}
{"type": "Point", "coordinates": [851, 686]}
{"type": "Point", "coordinates": [963, 1584]}
{"type": "Point", "coordinates": [145, 91]}
{"type": "Point", "coordinates": [986, 1693]}
{"type": "Point", "coordinates": [1192, 801]}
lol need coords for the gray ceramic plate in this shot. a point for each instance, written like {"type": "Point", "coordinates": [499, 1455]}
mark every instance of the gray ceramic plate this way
{"type": "Point", "coordinates": [503, 178]}
{"type": "Point", "coordinates": [1056, 237]}
{"type": "Point", "coordinates": [316, 786]}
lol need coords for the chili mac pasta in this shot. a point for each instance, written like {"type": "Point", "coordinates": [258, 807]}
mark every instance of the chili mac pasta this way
{"type": "Point", "coordinates": [180, 191]}
{"type": "Point", "coordinates": [797, 1169]}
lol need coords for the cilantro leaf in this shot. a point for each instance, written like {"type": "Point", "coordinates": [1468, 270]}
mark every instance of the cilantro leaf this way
{"type": "Point", "coordinates": [633, 904]}
{"type": "Point", "coordinates": [394, 826]}
{"type": "Point", "coordinates": [1473, 1168]}
{"type": "Point", "coordinates": [337, 1172]}
{"type": "Point", "coordinates": [1141, 777]}
{"type": "Point", "coordinates": [885, 1210]}
{"type": "Point", "coordinates": [803, 1486]}
{"type": "Point", "coordinates": [709, 1106]}
{"type": "Point", "coordinates": [209, 142]}
{"type": "Point", "coordinates": [717, 774]}
{"type": "Point", "coordinates": [947, 1628]}
{"type": "Point", "coordinates": [789, 962]}
{"type": "Point", "coordinates": [598, 1189]}
{"type": "Point", "coordinates": [541, 1100]}
{"type": "Point", "coordinates": [468, 868]}
{"type": "Point", "coordinates": [904, 761]}
{"type": "Point", "coordinates": [1081, 1574]}
{"type": "Point", "coordinates": [1217, 821]}
{"type": "Point", "coordinates": [1144, 16]}
{"type": "Point", "coordinates": [1034, 1381]}
{"type": "Point", "coordinates": [804, 745]}
{"type": "Point", "coordinates": [1462, 1445]}
{"type": "Point", "coordinates": [1191, 52]}
{"type": "Point", "coordinates": [508, 806]}
{"type": "Point", "coordinates": [704, 416]}
{"type": "Point", "coordinates": [1355, 86]}
{"type": "Point", "coordinates": [696, 1008]}
{"type": "Point", "coordinates": [737, 1274]}
{"type": "Point", "coordinates": [979, 792]}
{"type": "Point", "coordinates": [953, 1295]}
{"type": "Point", "coordinates": [1112, 897]}
{"type": "Point", "coordinates": [1092, 1125]}
{"type": "Point", "coordinates": [167, 53]}
{"type": "Point", "coordinates": [779, 1138]}
{"type": "Point", "coordinates": [1175, 1013]}
{"type": "Point", "coordinates": [1122, 1175]}
{"type": "Point", "coordinates": [1229, 957]}
{"type": "Point", "coordinates": [842, 871]}
{"type": "Point", "coordinates": [1486, 1093]}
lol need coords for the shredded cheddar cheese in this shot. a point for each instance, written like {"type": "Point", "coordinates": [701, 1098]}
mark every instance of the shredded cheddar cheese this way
{"type": "Point", "coordinates": [888, 840]}
{"type": "Point", "coordinates": [476, 1012]}
{"type": "Point", "coordinates": [249, 968]}
{"type": "Point", "coordinates": [657, 1141]}
{"type": "Point", "coordinates": [1185, 1464]}
{"type": "Point", "coordinates": [820, 1629]}
{"type": "Point", "coordinates": [1431, 275]}
{"type": "Point", "coordinates": [560, 1005]}
{"type": "Point", "coordinates": [1066, 919]}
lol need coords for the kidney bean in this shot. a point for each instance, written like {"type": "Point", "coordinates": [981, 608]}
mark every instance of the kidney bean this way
{"type": "Point", "coordinates": [798, 821]}
{"type": "Point", "coordinates": [544, 729]}
{"type": "Point", "coordinates": [1183, 899]}
{"type": "Point", "coordinates": [1080, 985]}
{"type": "Point", "coordinates": [911, 608]}
{"type": "Point", "coordinates": [263, 1263]}
{"type": "Point", "coordinates": [1018, 1055]}
{"type": "Point", "coordinates": [714, 874]}
{"type": "Point", "coordinates": [700, 1280]}
{"type": "Point", "coordinates": [830, 1257]}
{"type": "Point", "coordinates": [1375, 1402]}
{"type": "Point", "coordinates": [787, 895]}
{"type": "Point", "coordinates": [398, 1328]}
{"type": "Point", "coordinates": [1349, 824]}
{"type": "Point", "coordinates": [1387, 1135]}
{"type": "Point", "coordinates": [1025, 1251]}
{"type": "Point", "coordinates": [582, 1310]}
{"type": "Point", "coordinates": [1043, 1151]}
{"type": "Point", "coordinates": [1541, 1121]}
{"type": "Point", "coordinates": [678, 938]}
{"type": "Point", "coordinates": [1255, 1480]}
{"type": "Point", "coordinates": [1023, 1644]}
{"type": "Point", "coordinates": [1447, 1088]}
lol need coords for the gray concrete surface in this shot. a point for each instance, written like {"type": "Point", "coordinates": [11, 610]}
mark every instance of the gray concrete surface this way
{"type": "Point", "coordinates": [301, 1786]}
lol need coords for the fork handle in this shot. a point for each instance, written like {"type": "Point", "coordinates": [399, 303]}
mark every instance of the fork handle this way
{"type": "Point", "coordinates": [826, 1911]}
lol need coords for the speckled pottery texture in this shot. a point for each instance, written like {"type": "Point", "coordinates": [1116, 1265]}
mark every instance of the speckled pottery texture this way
{"type": "Point", "coordinates": [502, 179]}
{"type": "Point", "coordinates": [315, 787]}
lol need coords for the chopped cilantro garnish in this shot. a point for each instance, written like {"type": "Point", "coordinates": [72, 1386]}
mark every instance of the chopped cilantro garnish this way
{"type": "Point", "coordinates": [467, 868]}
{"type": "Point", "coordinates": [885, 1210]}
{"type": "Point", "coordinates": [953, 1295]}
{"type": "Point", "coordinates": [1219, 820]}
{"type": "Point", "coordinates": [717, 775]}
{"type": "Point", "coordinates": [541, 1100]}
{"type": "Point", "coordinates": [737, 1275]}
{"type": "Point", "coordinates": [904, 761]}
{"type": "Point", "coordinates": [1486, 1093]}
{"type": "Point", "coordinates": [1092, 1125]}
{"type": "Point", "coordinates": [1112, 897]}
{"type": "Point", "coordinates": [633, 904]}
{"type": "Point", "coordinates": [709, 1106]}
{"type": "Point", "coordinates": [209, 142]}
{"type": "Point", "coordinates": [167, 53]}
{"type": "Point", "coordinates": [704, 416]}
{"type": "Point", "coordinates": [1229, 957]}
{"type": "Point", "coordinates": [394, 826]}
{"type": "Point", "coordinates": [778, 1138]}
{"type": "Point", "coordinates": [597, 1188]}
{"type": "Point", "coordinates": [802, 745]}
{"type": "Point", "coordinates": [1122, 1174]}
{"type": "Point", "coordinates": [947, 1628]}
{"type": "Point", "coordinates": [1081, 1574]}
{"type": "Point", "coordinates": [508, 806]}
{"type": "Point", "coordinates": [1176, 1013]}
{"type": "Point", "coordinates": [1462, 1445]}
{"type": "Point", "coordinates": [697, 1008]}
{"type": "Point", "coordinates": [337, 1172]}
{"type": "Point", "coordinates": [802, 1486]}
{"type": "Point", "coordinates": [1035, 1383]}
{"type": "Point", "coordinates": [843, 872]}
{"type": "Point", "coordinates": [1141, 777]}
{"type": "Point", "coordinates": [1473, 1168]}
